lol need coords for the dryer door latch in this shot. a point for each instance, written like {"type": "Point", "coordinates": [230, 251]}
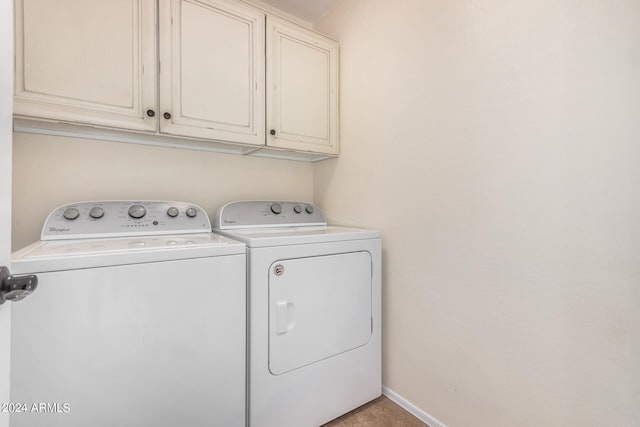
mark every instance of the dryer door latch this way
{"type": "Point", "coordinates": [16, 288]}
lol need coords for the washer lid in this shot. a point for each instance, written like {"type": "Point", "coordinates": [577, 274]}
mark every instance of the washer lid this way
{"type": "Point", "coordinates": [89, 253]}
{"type": "Point", "coordinates": [262, 237]}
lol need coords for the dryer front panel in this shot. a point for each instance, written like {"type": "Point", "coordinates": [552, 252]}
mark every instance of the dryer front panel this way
{"type": "Point", "coordinates": [319, 307]}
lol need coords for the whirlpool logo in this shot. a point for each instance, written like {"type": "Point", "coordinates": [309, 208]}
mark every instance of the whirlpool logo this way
{"type": "Point", "coordinates": [58, 230]}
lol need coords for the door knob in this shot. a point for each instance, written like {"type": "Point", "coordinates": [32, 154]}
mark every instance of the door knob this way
{"type": "Point", "coordinates": [16, 288]}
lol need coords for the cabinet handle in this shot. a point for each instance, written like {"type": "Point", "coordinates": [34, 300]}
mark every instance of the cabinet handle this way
{"type": "Point", "coordinates": [151, 113]}
{"type": "Point", "coordinates": [272, 131]}
{"type": "Point", "coordinates": [167, 115]}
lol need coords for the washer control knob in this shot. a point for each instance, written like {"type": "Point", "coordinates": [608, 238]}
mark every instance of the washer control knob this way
{"type": "Point", "coordinates": [137, 211]}
{"type": "Point", "coordinates": [309, 209]}
{"type": "Point", "coordinates": [276, 208]}
{"type": "Point", "coordinates": [297, 209]}
{"type": "Point", "coordinates": [96, 212]}
{"type": "Point", "coordinates": [173, 212]}
{"type": "Point", "coordinates": [71, 214]}
{"type": "Point", "coordinates": [191, 212]}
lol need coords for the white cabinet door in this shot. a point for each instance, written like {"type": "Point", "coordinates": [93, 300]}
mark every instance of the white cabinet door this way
{"type": "Point", "coordinates": [212, 70]}
{"type": "Point", "coordinates": [87, 61]}
{"type": "Point", "coordinates": [302, 89]}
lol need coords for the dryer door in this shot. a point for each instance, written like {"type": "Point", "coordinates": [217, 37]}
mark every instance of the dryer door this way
{"type": "Point", "coordinates": [318, 307]}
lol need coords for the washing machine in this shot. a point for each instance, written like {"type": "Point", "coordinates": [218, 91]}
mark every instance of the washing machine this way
{"type": "Point", "coordinates": [314, 312]}
{"type": "Point", "coordinates": [138, 319]}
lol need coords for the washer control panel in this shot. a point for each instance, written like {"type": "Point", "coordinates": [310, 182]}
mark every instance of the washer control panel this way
{"type": "Point", "coordinates": [268, 213]}
{"type": "Point", "coordinates": [123, 218]}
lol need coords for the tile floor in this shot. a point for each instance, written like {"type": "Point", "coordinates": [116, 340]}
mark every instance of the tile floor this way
{"type": "Point", "coordinates": [381, 412]}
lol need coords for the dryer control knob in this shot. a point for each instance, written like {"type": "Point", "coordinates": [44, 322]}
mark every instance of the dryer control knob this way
{"type": "Point", "coordinates": [96, 212]}
{"type": "Point", "coordinates": [173, 212]}
{"type": "Point", "coordinates": [297, 209]}
{"type": "Point", "coordinates": [191, 212]}
{"type": "Point", "coordinates": [309, 209]}
{"type": "Point", "coordinates": [276, 208]}
{"type": "Point", "coordinates": [71, 214]}
{"type": "Point", "coordinates": [137, 211]}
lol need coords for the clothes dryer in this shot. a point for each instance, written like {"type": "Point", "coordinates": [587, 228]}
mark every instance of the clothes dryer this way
{"type": "Point", "coordinates": [314, 312]}
{"type": "Point", "coordinates": [138, 320]}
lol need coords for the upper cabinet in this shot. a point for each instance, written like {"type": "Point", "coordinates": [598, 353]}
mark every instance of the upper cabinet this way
{"type": "Point", "coordinates": [179, 73]}
{"type": "Point", "coordinates": [212, 74]}
{"type": "Point", "coordinates": [87, 62]}
{"type": "Point", "coordinates": [302, 88]}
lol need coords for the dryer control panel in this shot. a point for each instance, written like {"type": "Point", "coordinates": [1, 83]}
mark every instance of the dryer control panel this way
{"type": "Point", "coordinates": [268, 213]}
{"type": "Point", "coordinates": [123, 218]}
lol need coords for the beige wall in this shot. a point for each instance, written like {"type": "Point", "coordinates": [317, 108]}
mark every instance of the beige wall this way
{"type": "Point", "coordinates": [50, 171]}
{"type": "Point", "coordinates": [496, 145]}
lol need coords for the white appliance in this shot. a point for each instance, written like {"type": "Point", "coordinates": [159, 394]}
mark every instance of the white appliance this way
{"type": "Point", "coordinates": [138, 319]}
{"type": "Point", "coordinates": [314, 312]}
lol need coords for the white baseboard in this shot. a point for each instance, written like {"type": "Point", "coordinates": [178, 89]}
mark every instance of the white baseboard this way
{"type": "Point", "coordinates": [411, 408]}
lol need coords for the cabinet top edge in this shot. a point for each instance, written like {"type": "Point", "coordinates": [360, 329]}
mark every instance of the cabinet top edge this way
{"type": "Point", "coordinates": [275, 20]}
{"type": "Point", "coordinates": [279, 13]}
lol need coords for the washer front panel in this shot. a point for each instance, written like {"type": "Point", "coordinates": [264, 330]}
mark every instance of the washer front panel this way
{"type": "Point", "coordinates": [157, 344]}
{"type": "Point", "coordinates": [124, 218]}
